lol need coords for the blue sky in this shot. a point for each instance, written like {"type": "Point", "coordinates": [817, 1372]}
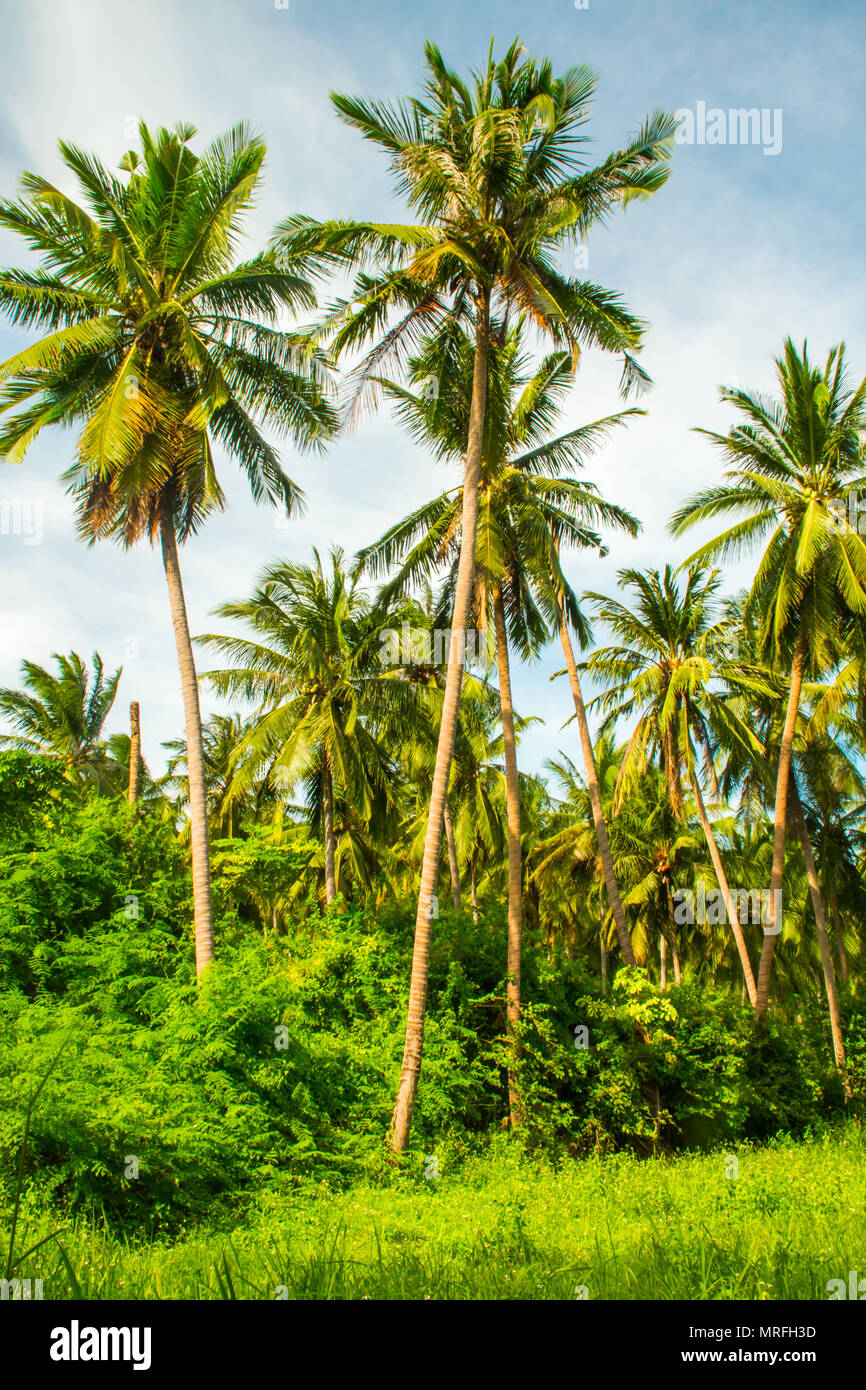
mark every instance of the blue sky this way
{"type": "Point", "coordinates": [738, 250]}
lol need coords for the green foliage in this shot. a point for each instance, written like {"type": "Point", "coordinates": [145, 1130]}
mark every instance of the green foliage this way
{"type": "Point", "coordinates": [280, 1069]}
{"type": "Point", "coordinates": [94, 897]}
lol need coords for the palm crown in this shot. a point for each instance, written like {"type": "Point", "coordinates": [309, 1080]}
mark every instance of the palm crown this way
{"type": "Point", "coordinates": [528, 505]}
{"type": "Point", "coordinates": [492, 166]}
{"type": "Point", "coordinates": [793, 464]}
{"type": "Point", "coordinates": [64, 714]}
{"type": "Point", "coordinates": [160, 345]}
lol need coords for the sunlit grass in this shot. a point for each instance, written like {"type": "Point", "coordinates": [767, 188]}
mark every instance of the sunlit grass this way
{"type": "Point", "coordinates": [506, 1227]}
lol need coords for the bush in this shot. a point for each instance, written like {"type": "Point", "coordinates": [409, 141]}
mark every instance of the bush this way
{"type": "Point", "coordinates": [282, 1066]}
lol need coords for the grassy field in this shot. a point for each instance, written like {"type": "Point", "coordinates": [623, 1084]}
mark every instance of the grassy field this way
{"type": "Point", "coordinates": [778, 1223]}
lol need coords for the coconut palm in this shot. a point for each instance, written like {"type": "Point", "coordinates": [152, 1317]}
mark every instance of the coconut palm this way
{"type": "Point", "coordinates": [834, 810]}
{"type": "Point", "coordinates": [491, 166]}
{"type": "Point", "coordinates": [657, 855]}
{"type": "Point", "coordinates": [662, 671]}
{"type": "Point", "coordinates": [327, 711]}
{"type": "Point", "coordinates": [525, 508]}
{"type": "Point", "coordinates": [64, 715]}
{"type": "Point", "coordinates": [222, 735]}
{"type": "Point", "coordinates": [472, 820]}
{"type": "Point", "coordinates": [818, 763]}
{"type": "Point", "coordinates": [161, 346]}
{"type": "Point", "coordinates": [793, 462]}
{"type": "Point", "coordinates": [568, 869]}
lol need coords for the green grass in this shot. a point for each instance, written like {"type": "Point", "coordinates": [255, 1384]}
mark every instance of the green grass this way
{"type": "Point", "coordinates": [505, 1227]}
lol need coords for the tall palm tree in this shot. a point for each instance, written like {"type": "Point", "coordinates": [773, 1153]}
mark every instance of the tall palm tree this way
{"type": "Point", "coordinates": [327, 711]}
{"type": "Point", "coordinates": [468, 832]}
{"type": "Point", "coordinates": [525, 507]}
{"type": "Point", "coordinates": [817, 760]}
{"type": "Point", "coordinates": [792, 461]}
{"type": "Point", "coordinates": [491, 166]}
{"type": "Point", "coordinates": [161, 346]}
{"type": "Point", "coordinates": [662, 671]}
{"type": "Point", "coordinates": [834, 810]}
{"type": "Point", "coordinates": [64, 715]}
{"type": "Point", "coordinates": [834, 784]}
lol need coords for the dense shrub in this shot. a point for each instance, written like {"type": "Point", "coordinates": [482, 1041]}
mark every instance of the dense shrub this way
{"type": "Point", "coordinates": [281, 1067]}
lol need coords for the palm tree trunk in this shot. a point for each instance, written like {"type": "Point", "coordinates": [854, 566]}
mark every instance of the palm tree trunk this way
{"type": "Point", "coordinates": [663, 962]}
{"type": "Point", "coordinates": [603, 951]}
{"type": "Point", "coordinates": [722, 880]}
{"type": "Point", "coordinates": [678, 977]}
{"type": "Point", "coordinates": [198, 821]}
{"type": "Point", "coordinates": [453, 865]}
{"type": "Point", "coordinates": [779, 823]}
{"type": "Point", "coordinates": [595, 795]}
{"type": "Point", "coordinates": [134, 752]}
{"type": "Point", "coordinates": [473, 884]}
{"type": "Point", "coordinates": [840, 940]}
{"type": "Point", "coordinates": [802, 829]}
{"type": "Point", "coordinates": [515, 867]}
{"type": "Point", "coordinates": [328, 829]}
{"type": "Point", "coordinates": [411, 1065]}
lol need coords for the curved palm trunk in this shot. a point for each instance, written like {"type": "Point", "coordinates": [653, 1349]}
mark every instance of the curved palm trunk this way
{"type": "Point", "coordinates": [202, 907]}
{"type": "Point", "coordinates": [779, 822]}
{"type": "Point", "coordinates": [411, 1066]}
{"type": "Point", "coordinates": [722, 880]}
{"type": "Point", "coordinates": [799, 822]}
{"type": "Point", "coordinates": [515, 867]}
{"type": "Point", "coordinates": [328, 833]}
{"type": "Point", "coordinates": [134, 752]}
{"type": "Point", "coordinates": [840, 940]}
{"type": "Point", "coordinates": [453, 865]}
{"type": "Point", "coordinates": [611, 885]}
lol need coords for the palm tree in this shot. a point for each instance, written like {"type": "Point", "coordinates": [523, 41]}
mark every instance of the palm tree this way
{"type": "Point", "coordinates": [63, 715]}
{"type": "Point", "coordinates": [327, 710]}
{"type": "Point", "coordinates": [161, 346]}
{"type": "Point", "coordinates": [834, 785]}
{"type": "Point", "coordinates": [834, 811]}
{"type": "Point", "coordinates": [792, 462]}
{"type": "Point", "coordinates": [525, 507]}
{"type": "Point", "coordinates": [568, 869]}
{"type": "Point", "coordinates": [469, 817]}
{"type": "Point", "coordinates": [817, 760]}
{"type": "Point", "coordinates": [663, 672]}
{"type": "Point", "coordinates": [658, 854]}
{"type": "Point", "coordinates": [222, 735]}
{"type": "Point", "coordinates": [491, 166]}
